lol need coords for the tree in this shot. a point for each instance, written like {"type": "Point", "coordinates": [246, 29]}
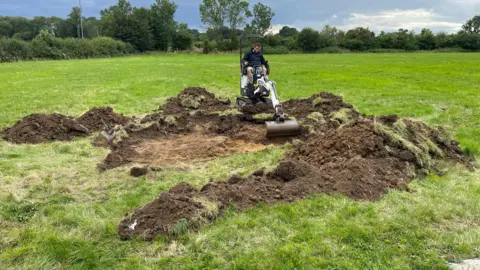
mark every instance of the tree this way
{"type": "Point", "coordinates": [21, 28]}
{"type": "Point", "coordinates": [406, 40]}
{"type": "Point", "coordinates": [426, 40]}
{"type": "Point", "coordinates": [273, 40]}
{"type": "Point", "coordinates": [163, 23]}
{"type": "Point", "coordinates": [262, 19]}
{"type": "Point", "coordinates": [74, 19]}
{"type": "Point", "coordinates": [387, 40]}
{"type": "Point", "coordinates": [443, 40]}
{"type": "Point", "coordinates": [288, 32]}
{"type": "Point", "coordinates": [91, 27]}
{"type": "Point", "coordinates": [214, 13]}
{"type": "Point", "coordinates": [5, 29]}
{"type": "Point", "coordinates": [237, 15]}
{"type": "Point", "coordinates": [182, 39]}
{"type": "Point", "coordinates": [468, 41]}
{"type": "Point", "coordinates": [309, 40]}
{"type": "Point", "coordinates": [359, 39]}
{"type": "Point", "coordinates": [329, 36]}
{"type": "Point", "coordinates": [128, 24]}
{"type": "Point", "coordinates": [472, 26]}
{"type": "Point", "coordinates": [143, 37]}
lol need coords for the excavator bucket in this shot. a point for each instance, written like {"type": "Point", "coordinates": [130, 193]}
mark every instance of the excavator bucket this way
{"type": "Point", "coordinates": [282, 129]}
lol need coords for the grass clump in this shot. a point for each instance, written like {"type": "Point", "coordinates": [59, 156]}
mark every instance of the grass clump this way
{"type": "Point", "coordinates": [171, 120]}
{"type": "Point", "coordinates": [228, 112]}
{"type": "Point", "coordinates": [343, 117]}
{"type": "Point", "coordinates": [261, 116]}
{"type": "Point", "coordinates": [403, 136]}
{"type": "Point", "coordinates": [180, 228]}
{"type": "Point", "coordinates": [317, 117]}
{"type": "Point", "coordinates": [317, 101]}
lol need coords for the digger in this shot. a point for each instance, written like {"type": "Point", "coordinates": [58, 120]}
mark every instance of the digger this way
{"type": "Point", "coordinates": [257, 88]}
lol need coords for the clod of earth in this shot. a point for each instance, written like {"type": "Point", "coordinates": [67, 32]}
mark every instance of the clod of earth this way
{"type": "Point", "coordinates": [137, 171]}
{"type": "Point", "coordinates": [340, 151]}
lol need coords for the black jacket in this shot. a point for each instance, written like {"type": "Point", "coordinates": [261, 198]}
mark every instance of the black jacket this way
{"type": "Point", "coordinates": [254, 59]}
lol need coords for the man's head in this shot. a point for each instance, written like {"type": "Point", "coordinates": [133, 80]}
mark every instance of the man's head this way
{"type": "Point", "coordinates": [257, 47]}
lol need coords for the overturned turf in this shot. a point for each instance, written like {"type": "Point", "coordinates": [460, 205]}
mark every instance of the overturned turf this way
{"type": "Point", "coordinates": [39, 128]}
{"type": "Point", "coordinates": [194, 98]}
{"type": "Point", "coordinates": [343, 152]}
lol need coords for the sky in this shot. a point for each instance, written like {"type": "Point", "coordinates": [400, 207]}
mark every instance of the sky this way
{"type": "Point", "coordinates": [386, 15]}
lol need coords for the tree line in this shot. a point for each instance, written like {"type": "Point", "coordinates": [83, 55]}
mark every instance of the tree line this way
{"type": "Point", "coordinates": [129, 29]}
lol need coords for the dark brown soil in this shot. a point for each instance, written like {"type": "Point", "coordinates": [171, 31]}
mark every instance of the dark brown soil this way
{"type": "Point", "coordinates": [40, 128]}
{"type": "Point", "coordinates": [137, 171]}
{"type": "Point", "coordinates": [92, 119]}
{"type": "Point", "coordinates": [194, 98]}
{"type": "Point", "coordinates": [169, 208]}
{"type": "Point", "coordinates": [324, 103]}
{"type": "Point", "coordinates": [355, 160]}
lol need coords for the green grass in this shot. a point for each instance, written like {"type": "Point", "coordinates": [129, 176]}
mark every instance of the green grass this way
{"type": "Point", "coordinates": [58, 212]}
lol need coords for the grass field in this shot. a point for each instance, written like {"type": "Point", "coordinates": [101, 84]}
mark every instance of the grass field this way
{"type": "Point", "coordinates": [57, 211]}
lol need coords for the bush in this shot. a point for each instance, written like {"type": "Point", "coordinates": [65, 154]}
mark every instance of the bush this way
{"type": "Point", "coordinates": [182, 41]}
{"type": "Point", "coordinates": [290, 43]}
{"type": "Point", "coordinates": [468, 41]}
{"type": "Point", "coordinates": [275, 50]}
{"type": "Point", "coordinates": [198, 44]}
{"type": "Point", "coordinates": [14, 50]}
{"type": "Point", "coordinates": [386, 51]}
{"type": "Point", "coordinates": [334, 50]}
{"type": "Point", "coordinates": [46, 46]}
{"type": "Point", "coordinates": [273, 40]}
{"type": "Point", "coordinates": [224, 46]}
{"type": "Point", "coordinates": [209, 46]}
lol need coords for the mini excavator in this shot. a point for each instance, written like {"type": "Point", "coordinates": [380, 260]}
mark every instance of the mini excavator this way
{"type": "Point", "coordinates": [263, 90]}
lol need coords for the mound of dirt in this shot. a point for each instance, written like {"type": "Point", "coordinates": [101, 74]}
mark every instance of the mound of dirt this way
{"type": "Point", "coordinates": [324, 103]}
{"type": "Point", "coordinates": [170, 208]}
{"type": "Point", "coordinates": [94, 119]}
{"type": "Point", "coordinates": [361, 160]}
{"type": "Point", "coordinates": [40, 128]}
{"type": "Point", "coordinates": [194, 98]}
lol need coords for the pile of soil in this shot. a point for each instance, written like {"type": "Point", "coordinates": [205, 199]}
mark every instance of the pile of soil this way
{"type": "Point", "coordinates": [92, 119]}
{"type": "Point", "coordinates": [346, 153]}
{"type": "Point", "coordinates": [324, 103]}
{"type": "Point", "coordinates": [40, 128]}
{"type": "Point", "coordinates": [194, 98]}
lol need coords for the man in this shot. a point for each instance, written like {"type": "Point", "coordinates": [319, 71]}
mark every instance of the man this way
{"type": "Point", "coordinates": [254, 58]}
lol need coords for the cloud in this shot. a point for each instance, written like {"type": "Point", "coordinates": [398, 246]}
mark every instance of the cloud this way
{"type": "Point", "coordinates": [392, 20]}
{"type": "Point", "coordinates": [277, 27]}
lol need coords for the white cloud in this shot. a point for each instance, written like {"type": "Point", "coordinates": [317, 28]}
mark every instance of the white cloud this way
{"type": "Point", "coordinates": [392, 20]}
{"type": "Point", "coordinates": [277, 27]}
